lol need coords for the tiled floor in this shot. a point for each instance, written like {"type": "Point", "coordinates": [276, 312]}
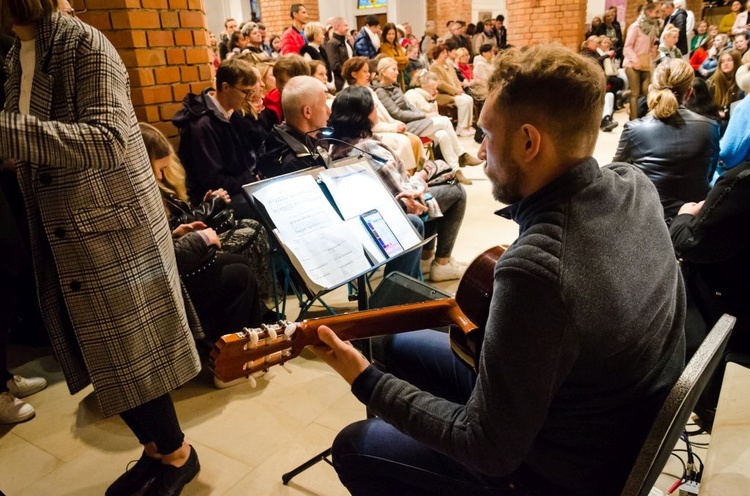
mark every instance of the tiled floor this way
{"type": "Point", "coordinates": [246, 438]}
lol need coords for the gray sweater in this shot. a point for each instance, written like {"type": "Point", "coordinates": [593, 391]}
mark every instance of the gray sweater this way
{"type": "Point", "coordinates": [584, 340]}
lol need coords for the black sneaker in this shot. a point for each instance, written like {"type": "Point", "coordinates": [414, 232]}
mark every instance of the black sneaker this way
{"type": "Point", "coordinates": [170, 480]}
{"type": "Point", "coordinates": [608, 124]}
{"type": "Point", "coordinates": [135, 478]}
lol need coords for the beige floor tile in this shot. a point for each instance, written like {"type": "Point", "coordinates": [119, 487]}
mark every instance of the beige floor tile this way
{"type": "Point", "coordinates": [22, 463]}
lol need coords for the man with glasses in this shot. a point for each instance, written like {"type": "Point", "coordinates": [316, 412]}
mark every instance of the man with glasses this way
{"type": "Point", "coordinates": [215, 148]}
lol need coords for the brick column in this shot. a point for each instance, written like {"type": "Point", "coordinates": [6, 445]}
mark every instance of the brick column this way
{"type": "Point", "coordinates": [535, 21]}
{"type": "Point", "coordinates": [275, 13]}
{"type": "Point", "coordinates": [442, 11]}
{"type": "Point", "coordinates": [164, 45]}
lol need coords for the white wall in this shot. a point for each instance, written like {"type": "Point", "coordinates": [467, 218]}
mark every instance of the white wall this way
{"type": "Point", "coordinates": [594, 8]}
{"type": "Point", "coordinates": [217, 11]}
{"type": "Point", "coordinates": [498, 7]}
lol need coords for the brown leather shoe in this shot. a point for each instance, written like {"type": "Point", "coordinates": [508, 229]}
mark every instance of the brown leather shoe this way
{"type": "Point", "coordinates": [463, 179]}
{"type": "Point", "coordinates": [466, 159]}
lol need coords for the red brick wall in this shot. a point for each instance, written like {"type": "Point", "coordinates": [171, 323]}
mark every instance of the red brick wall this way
{"type": "Point", "coordinates": [164, 45]}
{"type": "Point", "coordinates": [534, 21]}
{"type": "Point", "coordinates": [442, 11]}
{"type": "Point", "coordinates": [275, 14]}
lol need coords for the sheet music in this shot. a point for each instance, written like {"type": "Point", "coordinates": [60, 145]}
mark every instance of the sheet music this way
{"type": "Point", "coordinates": [357, 189]}
{"type": "Point", "coordinates": [327, 250]}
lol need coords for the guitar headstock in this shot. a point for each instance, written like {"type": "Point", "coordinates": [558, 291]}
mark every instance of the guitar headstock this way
{"type": "Point", "coordinates": [254, 350]}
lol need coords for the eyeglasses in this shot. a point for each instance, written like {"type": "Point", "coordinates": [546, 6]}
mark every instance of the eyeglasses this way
{"type": "Point", "coordinates": [248, 92]}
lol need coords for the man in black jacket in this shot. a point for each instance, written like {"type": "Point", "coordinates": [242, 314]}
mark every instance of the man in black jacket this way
{"type": "Point", "coordinates": [338, 50]}
{"type": "Point", "coordinates": [678, 17]}
{"type": "Point", "coordinates": [215, 146]}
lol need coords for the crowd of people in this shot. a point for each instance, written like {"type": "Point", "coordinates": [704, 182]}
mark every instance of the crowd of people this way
{"type": "Point", "coordinates": [170, 255]}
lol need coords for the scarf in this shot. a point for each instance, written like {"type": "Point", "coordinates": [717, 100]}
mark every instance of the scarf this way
{"type": "Point", "coordinates": [650, 27]}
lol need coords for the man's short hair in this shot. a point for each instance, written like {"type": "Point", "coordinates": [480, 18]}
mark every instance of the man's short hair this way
{"type": "Point", "coordinates": [295, 8]}
{"type": "Point", "coordinates": [298, 92]}
{"type": "Point", "coordinates": [337, 22]}
{"type": "Point", "coordinates": [289, 66]}
{"type": "Point", "coordinates": [553, 87]}
{"type": "Point", "coordinates": [228, 20]}
{"type": "Point", "coordinates": [261, 26]}
{"type": "Point", "coordinates": [235, 72]}
{"type": "Point", "coordinates": [500, 18]}
{"type": "Point", "coordinates": [667, 4]}
{"type": "Point", "coordinates": [485, 48]}
{"type": "Point", "coordinates": [372, 21]}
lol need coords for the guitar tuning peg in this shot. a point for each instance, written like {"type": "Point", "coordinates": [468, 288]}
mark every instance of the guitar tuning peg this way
{"type": "Point", "coordinates": [290, 329]}
{"type": "Point", "coordinates": [272, 334]}
{"type": "Point", "coordinates": [254, 338]}
{"type": "Point", "coordinates": [252, 381]}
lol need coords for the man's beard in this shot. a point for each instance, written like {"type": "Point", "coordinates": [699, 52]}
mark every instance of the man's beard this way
{"type": "Point", "coordinates": [508, 192]}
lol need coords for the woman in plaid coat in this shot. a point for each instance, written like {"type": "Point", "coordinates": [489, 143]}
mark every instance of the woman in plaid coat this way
{"type": "Point", "coordinates": [103, 254]}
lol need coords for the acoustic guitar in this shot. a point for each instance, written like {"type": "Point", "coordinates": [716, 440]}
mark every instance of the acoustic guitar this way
{"type": "Point", "coordinates": [244, 353]}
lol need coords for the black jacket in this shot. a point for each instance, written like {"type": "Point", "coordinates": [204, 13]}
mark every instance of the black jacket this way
{"type": "Point", "coordinates": [679, 19]}
{"type": "Point", "coordinates": [287, 150]}
{"type": "Point", "coordinates": [715, 247]}
{"type": "Point", "coordinates": [337, 54]}
{"type": "Point", "coordinates": [216, 152]}
{"type": "Point", "coordinates": [678, 154]}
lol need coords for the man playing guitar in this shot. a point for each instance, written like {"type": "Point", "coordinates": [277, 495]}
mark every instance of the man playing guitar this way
{"type": "Point", "coordinates": [585, 331]}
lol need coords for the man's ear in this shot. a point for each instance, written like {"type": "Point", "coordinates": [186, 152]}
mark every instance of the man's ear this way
{"type": "Point", "coordinates": [533, 142]}
{"type": "Point", "coordinates": [307, 112]}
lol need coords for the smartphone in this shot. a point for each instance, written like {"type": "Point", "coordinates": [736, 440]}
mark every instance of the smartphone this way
{"type": "Point", "coordinates": [381, 233]}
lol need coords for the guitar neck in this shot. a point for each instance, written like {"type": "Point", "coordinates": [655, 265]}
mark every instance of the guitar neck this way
{"type": "Point", "coordinates": [389, 320]}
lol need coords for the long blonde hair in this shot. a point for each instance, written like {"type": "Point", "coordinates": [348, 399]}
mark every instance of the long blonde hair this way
{"type": "Point", "coordinates": [174, 176]}
{"type": "Point", "coordinates": [671, 81]}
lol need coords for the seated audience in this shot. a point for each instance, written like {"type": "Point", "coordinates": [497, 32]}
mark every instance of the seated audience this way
{"type": "Point", "coordinates": [699, 37]}
{"type": "Point", "coordinates": [408, 146]}
{"type": "Point", "coordinates": [431, 124]}
{"type": "Point", "coordinates": [742, 22]}
{"type": "Point", "coordinates": [285, 68]}
{"type": "Point", "coordinates": [451, 92]}
{"type": "Point", "coordinates": [352, 119]}
{"type": "Point", "coordinates": [740, 44]}
{"type": "Point", "coordinates": [275, 44]}
{"type": "Point", "coordinates": [723, 85]}
{"type": "Point", "coordinates": [237, 44]}
{"type": "Point", "coordinates": [590, 50]}
{"type": "Point", "coordinates": [464, 67]}
{"type": "Point", "coordinates": [714, 250]}
{"type": "Point", "coordinates": [319, 72]}
{"type": "Point", "coordinates": [701, 101]}
{"type": "Point", "coordinates": [676, 148]}
{"type": "Point", "coordinates": [244, 237]}
{"type": "Point", "coordinates": [727, 22]}
{"type": "Point", "coordinates": [575, 347]}
{"type": "Point", "coordinates": [215, 148]}
{"type": "Point", "coordinates": [708, 67]}
{"type": "Point", "coordinates": [291, 145]}
{"type": "Point", "coordinates": [700, 54]}
{"type": "Point", "coordinates": [594, 27]}
{"type": "Point", "coordinates": [416, 63]}
{"type": "Point", "coordinates": [254, 47]}
{"type": "Point", "coordinates": [734, 147]}
{"type": "Point", "coordinates": [483, 63]}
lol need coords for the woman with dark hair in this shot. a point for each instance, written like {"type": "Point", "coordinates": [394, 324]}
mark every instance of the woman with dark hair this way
{"type": "Point", "coordinates": [391, 47]}
{"type": "Point", "coordinates": [451, 91]}
{"type": "Point", "coordinates": [675, 147]}
{"type": "Point", "coordinates": [237, 44]}
{"type": "Point", "coordinates": [701, 101]}
{"type": "Point", "coordinates": [352, 118]}
{"type": "Point", "coordinates": [408, 146]}
{"type": "Point", "coordinates": [103, 254]}
{"type": "Point", "coordinates": [275, 43]}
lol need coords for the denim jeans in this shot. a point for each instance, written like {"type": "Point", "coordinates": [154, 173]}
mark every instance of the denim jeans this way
{"type": "Point", "coordinates": [373, 458]}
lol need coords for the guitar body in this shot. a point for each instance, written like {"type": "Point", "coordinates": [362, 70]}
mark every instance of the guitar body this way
{"type": "Point", "coordinates": [252, 350]}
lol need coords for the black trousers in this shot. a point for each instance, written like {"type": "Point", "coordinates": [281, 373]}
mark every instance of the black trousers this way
{"type": "Point", "coordinates": [226, 296]}
{"type": "Point", "coordinates": [156, 421]}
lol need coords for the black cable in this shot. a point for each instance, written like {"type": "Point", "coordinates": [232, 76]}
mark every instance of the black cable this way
{"type": "Point", "coordinates": [684, 467]}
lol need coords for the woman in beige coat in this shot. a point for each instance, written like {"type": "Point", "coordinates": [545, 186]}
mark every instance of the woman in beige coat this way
{"type": "Point", "coordinates": [451, 91]}
{"type": "Point", "coordinates": [103, 254]}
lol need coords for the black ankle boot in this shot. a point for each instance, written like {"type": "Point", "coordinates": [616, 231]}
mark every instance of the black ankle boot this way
{"type": "Point", "coordinates": [170, 480]}
{"type": "Point", "coordinates": [135, 478]}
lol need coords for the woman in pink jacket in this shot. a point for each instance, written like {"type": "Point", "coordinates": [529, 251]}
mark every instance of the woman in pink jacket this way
{"type": "Point", "coordinates": [637, 51]}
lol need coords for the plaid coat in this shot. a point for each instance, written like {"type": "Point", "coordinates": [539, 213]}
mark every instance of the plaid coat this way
{"type": "Point", "coordinates": [103, 253]}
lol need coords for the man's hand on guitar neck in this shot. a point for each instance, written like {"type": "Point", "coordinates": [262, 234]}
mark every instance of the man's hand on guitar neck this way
{"type": "Point", "coordinates": [340, 355]}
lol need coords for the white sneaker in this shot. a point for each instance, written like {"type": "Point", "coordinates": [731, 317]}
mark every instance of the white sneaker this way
{"type": "Point", "coordinates": [21, 387]}
{"type": "Point", "coordinates": [451, 270]}
{"type": "Point", "coordinates": [13, 410]}
{"type": "Point", "coordinates": [424, 266]}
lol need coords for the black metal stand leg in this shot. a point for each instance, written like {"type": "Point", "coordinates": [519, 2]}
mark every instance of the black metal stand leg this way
{"type": "Point", "coordinates": [322, 457]}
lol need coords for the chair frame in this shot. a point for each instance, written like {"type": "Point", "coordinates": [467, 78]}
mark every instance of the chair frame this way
{"type": "Point", "coordinates": [679, 404]}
